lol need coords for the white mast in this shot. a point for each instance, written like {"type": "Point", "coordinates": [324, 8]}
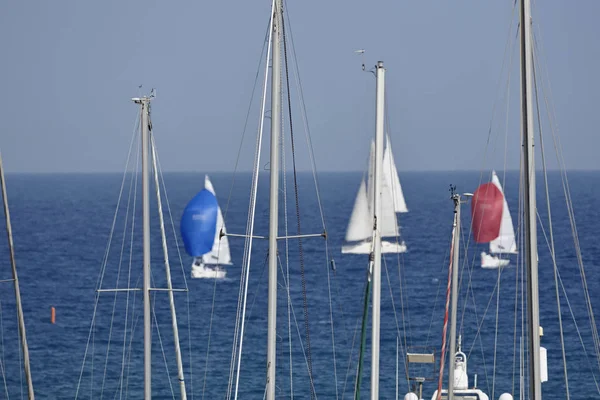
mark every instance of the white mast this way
{"type": "Point", "coordinates": [13, 263]}
{"type": "Point", "coordinates": [376, 277]}
{"type": "Point", "coordinates": [144, 103]}
{"type": "Point", "coordinates": [453, 311]}
{"type": "Point", "coordinates": [274, 198]}
{"type": "Point", "coordinates": [535, 383]}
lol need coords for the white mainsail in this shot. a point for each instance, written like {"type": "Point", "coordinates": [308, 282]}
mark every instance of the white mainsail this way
{"type": "Point", "coordinates": [392, 179]}
{"type": "Point", "coordinates": [370, 190]}
{"type": "Point", "coordinates": [505, 242]}
{"type": "Point", "coordinates": [359, 227]}
{"type": "Point", "coordinates": [220, 251]}
{"type": "Point", "coordinates": [389, 224]}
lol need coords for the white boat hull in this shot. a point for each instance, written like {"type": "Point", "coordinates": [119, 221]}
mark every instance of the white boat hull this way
{"type": "Point", "coordinates": [490, 261]}
{"type": "Point", "coordinates": [364, 247]}
{"type": "Point", "coordinates": [205, 272]}
{"type": "Point", "coordinates": [462, 394]}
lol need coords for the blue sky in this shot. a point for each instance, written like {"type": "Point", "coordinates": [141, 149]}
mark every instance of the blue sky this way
{"type": "Point", "coordinates": [69, 69]}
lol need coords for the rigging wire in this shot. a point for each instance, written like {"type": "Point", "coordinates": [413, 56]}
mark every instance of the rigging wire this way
{"type": "Point", "coordinates": [507, 52]}
{"type": "Point", "coordinates": [455, 236]}
{"type": "Point", "coordinates": [496, 331]}
{"type": "Point", "coordinates": [238, 336]}
{"type": "Point", "coordinates": [399, 256]}
{"type": "Point", "coordinates": [287, 250]}
{"type": "Point", "coordinates": [117, 283]}
{"type": "Point", "coordinates": [551, 232]}
{"type": "Point", "coordinates": [439, 289]}
{"type": "Point", "coordinates": [577, 328]}
{"type": "Point", "coordinates": [551, 112]}
{"type": "Point", "coordinates": [241, 309]}
{"type": "Point", "coordinates": [296, 324]}
{"type": "Point", "coordinates": [134, 185]}
{"type": "Point", "coordinates": [297, 202]}
{"type": "Point", "coordinates": [129, 286]}
{"type": "Point", "coordinates": [252, 200]}
{"type": "Point", "coordinates": [2, 360]}
{"type": "Point", "coordinates": [519, 268]}
{"type": "Point", "coordinates": [210, 323]}
{"type": "Point", "coordinates": [160, 341]}
{"type": "Point", "coordinates": [350, 358]}
{"type": "Point", "coordinates": [523, 360]}
{"type": "Point", "coordinates": [311, 152]}
{"type": "Point", "coordinates": [20, 362]}
{"type": "Point", "coordinates": [287, 30]}
{"type": "Point", "coordinates": [266, 42]}
{"type": "Point", "coordinates": [100, 278]}
{"type": "Point", "coordinates": [403, 348]}
{"type": "Point", "coordinates": [574, 232]}
{"type": "Point", "coordinates": [179, 360]}
{"type": "Point", "coordinates": [506, 134]}
{"type": "Point", "coordinates": [125, 356]}
{"type": "Point", "coordinates": [560, 283]}
{"type": "Point", "coordinates": [183, 273]}
{"type": "Point", "coordinates": [251, 204]}
{"type": "Point", "coordinates": [134, 323]}
{"type": "Point", "coordinates": [569, 204]}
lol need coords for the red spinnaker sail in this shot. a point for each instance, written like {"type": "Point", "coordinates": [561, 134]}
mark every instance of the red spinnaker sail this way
{"type": "Point", "coordinates": [486, 212]}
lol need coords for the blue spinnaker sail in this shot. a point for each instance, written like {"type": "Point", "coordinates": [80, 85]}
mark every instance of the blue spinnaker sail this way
{"type": "Point", "coordinates": [199, 223]}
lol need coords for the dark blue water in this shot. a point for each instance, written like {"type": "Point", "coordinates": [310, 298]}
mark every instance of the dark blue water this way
{"type": "Point", "coordinates": [61, 228]}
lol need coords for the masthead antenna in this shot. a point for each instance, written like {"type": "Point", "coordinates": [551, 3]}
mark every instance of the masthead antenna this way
{"type": "Point", "coordinates": [362, 53]}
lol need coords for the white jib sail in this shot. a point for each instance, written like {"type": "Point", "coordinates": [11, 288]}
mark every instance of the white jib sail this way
{"type": "Point", "coordinates": [505, 242]}
{"type": "Point", "coordinates": [390, 172]}
{"type": "Point", "coordinates": [220, 251]}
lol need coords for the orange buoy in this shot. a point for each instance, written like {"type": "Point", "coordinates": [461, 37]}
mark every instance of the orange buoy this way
{"type": "Point", "coordinates": [52, 315]}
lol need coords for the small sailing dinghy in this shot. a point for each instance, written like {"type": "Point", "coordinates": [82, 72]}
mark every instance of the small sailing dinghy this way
{"type": "Point", "coordinates": [490, 203]}
{"type": "Point", "coordinates": [359, 228]}
{"type": "Point", "coordinates": [200, 235]}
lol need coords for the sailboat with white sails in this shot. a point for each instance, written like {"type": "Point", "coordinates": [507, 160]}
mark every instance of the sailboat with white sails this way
{"type": "Point", "coordinates": [505, 242]}
{"type": "Point", "coordinates": [219, 254]}
{"type": "Point", "coordinates": [360, 227]}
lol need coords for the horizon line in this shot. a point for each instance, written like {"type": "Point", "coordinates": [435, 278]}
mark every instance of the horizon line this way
{"type": "Point", "coordinates": [300, 171]}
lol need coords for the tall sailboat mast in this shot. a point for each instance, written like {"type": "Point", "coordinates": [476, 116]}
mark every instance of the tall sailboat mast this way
{"type": "Point", "coordinates": [274, 199]}
{"type": "Point", "coordinates": [144, 103]}
{"type": "Point", "coordinates": [454, 307]}
{"type": "Point", "coordinates": [13, 263]}
{"type": "Point", "coordinates": [376, 277]}
{"type": "Point", "coordinates": [535, 384]}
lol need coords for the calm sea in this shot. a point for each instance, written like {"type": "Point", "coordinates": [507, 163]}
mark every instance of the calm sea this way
{"type": "Point", "coordinates": [62, 225]}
